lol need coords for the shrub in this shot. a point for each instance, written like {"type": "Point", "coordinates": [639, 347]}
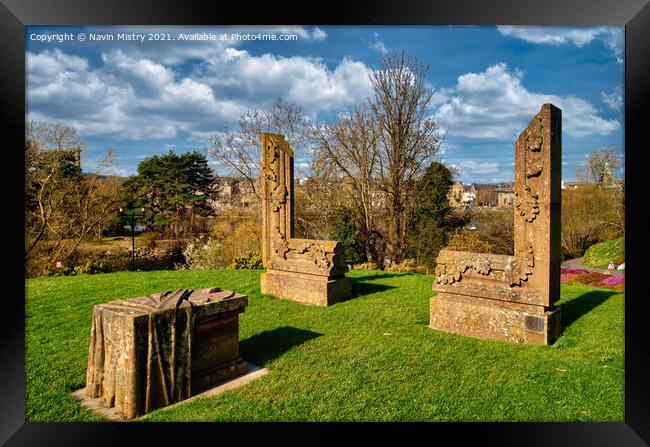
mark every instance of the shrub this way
{"type": "Point", "coordinates": [614, 280]}
{"type": "Point", "coordinates": [221, 230]}
{"type": "Point", "coordinates": [588, 278]}
{"type": "Point", "coordinates": [426, 238]}
{"type": "Point", "coordinates": [206, 255]}
{"type": "Point", "coordinates": [590, 215]}
{"type": "Point", "coordinates": [238, 237]}
{"type": "Point", "coordinates": [467, 240]}
{"type": "Point", "coordinates": [249, 261]}
{"type": "Point", "coordinates": [148, 239]}
{"type": "Point", "coordinates": [345, 231]}
{"type": "Point", "coordinates": [366, 266]}
{"type": "Point", "coordinates": [407, 265]}
{"type": "Point", "coordinates": [90, 267]}
{"type": "Point", "coordinates": [568, 274]}
{"type": "Point", "coordinates": [496, 227]}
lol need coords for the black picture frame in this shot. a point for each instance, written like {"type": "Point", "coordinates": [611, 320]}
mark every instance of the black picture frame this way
{"type": "Point", "coordinates": [633, 14]}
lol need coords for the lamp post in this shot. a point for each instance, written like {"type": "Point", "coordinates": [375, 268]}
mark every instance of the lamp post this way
{"type": "Point", "coordinates": [133, 214]}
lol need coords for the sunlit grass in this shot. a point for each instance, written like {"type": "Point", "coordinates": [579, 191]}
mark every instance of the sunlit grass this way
{"type": "Point", "coordinates": [370, 358]}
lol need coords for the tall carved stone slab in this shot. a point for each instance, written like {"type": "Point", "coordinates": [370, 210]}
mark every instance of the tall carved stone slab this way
{"type": "Point", "coordinates": [303, 270]}
{"type": "Point", "coordinates": [538, 181]}
{"type": "Point", "coordinates": [148, 352]}
{"type": "Point", "coordinates": [512, 297]}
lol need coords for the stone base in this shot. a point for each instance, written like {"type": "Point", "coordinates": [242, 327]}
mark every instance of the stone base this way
{"type": "Point", "coordinates": [305, 288]}
{"type": "Point", "coordinates": [95, 405]}
{"type": "Point", "coordinates": [204, 379]}
{"type": "Point", "coordinates": [494, 319]}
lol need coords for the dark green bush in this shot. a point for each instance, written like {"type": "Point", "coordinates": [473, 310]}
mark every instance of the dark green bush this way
{"type": "Point", "coordinates": [345, 231]}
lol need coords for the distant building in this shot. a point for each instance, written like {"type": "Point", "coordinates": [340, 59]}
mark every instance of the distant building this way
{"type": "Point", "coordinates": [505, 194]}
{"type": "Point", "coordinates": [462, 196]}
{"type": "Point", "coordinates": [469, 195]}
{"type": "Point", "coordinates": [573, 186]}
{"type": "Point", "coordinates": [455, 195]}
{"type": "Point", "coordinates": [569, 185]}
{"type": "Point", "coordinates": [232, 192]}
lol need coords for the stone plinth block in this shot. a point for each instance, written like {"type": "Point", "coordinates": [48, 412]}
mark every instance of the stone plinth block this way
{"type": "Point", "coordinates": [305, 288]}
{"type": "Point", "coordinates": [491, 319]}
{"type": "Point", "coordinates": [148, 352]}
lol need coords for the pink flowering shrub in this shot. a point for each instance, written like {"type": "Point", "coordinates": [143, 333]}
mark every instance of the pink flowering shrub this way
{"type": "Point", "coordinates": [614, 281]}
{"type": "Point", "coordinates": [568, 274]}
{"type": "Point", "coordinates": [584, 276]}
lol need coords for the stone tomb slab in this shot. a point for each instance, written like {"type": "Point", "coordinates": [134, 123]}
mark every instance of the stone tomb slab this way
{"type": "Point", "coordinates": [149, 352]}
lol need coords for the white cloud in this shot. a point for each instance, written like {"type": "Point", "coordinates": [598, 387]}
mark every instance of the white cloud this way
{"type": "Point", "coordinates": [303, 80]}
{"type": "Point", "coordinates": [495, 104]}
{"type": "Point", "coordinates": [612, 38]}
{"type": "Point", "coordinates": [479, 168]}
{"type": "Point", "coordinates": [378, 45]}
{"type": "Point", "coordinates": [318, 34]}
{"type": "Point", "coordinates": [132, 98]}
{"type": "Point", "coordinates": [135, 97]}
{"type": "Point", "coordinates": [614, 99]}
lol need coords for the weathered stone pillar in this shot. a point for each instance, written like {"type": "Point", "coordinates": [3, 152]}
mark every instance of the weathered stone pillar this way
{"type": "Point", "coordinates": [277, 194]}
{"type": "Point", "coordinates": [538, 183]}
{"type": "Point", "coordinates": [512, 297]}
{"type": "Point", "coordinates": [303, 270]}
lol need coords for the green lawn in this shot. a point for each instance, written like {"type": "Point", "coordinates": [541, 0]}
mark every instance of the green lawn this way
{"type": "Point", "coordinates": [371, 358]}
{"type": "Point", "coordinates": [601, 254]}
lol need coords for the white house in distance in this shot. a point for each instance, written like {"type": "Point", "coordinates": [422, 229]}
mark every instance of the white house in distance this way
{"type": "Point", "coordinates": [462, 195]}
{"type": "Point", "coordinates": [469, 195]}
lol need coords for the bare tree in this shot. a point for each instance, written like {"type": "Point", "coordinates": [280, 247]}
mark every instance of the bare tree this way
{"type": "Point", "coordinates": [591, 214]}
{"type": "Point", "coordinates": [600, 167]}
{"type": "Point", "coordinates": [316, 200]}
{"type": "Point", "coordinates": [486, 196]}
{"type": "Point", "coordinates": [408, 137]}
{"type": "Point", "coordinates": [62, 205]}
{"type": "Point", "coordinates": [53, 135]}
{"type": "Point", "coordinates": [239, 150]}
{"type": "Point", "coordinates": [349, 148]}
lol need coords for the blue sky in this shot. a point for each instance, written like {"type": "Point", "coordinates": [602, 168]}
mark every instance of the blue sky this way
{"type": "Point", "coordinates": [145, 98]}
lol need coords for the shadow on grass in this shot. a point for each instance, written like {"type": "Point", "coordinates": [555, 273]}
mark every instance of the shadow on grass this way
{"type": "Point", "coordinates": [268, 345]}
{"type": "Point", "coordinates": [380, 276]}
{"type": "Point", "coordinates": [582, 305]}
{"type": "Point", "coordinates": [360, 287]}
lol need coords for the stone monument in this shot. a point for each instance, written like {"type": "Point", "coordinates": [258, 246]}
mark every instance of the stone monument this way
{"type": "Point", "coordinates": [149, 352]}
{"type": "Point", "coordinates": [512, 297]}
{"type": "Point", "coordinates": [303, 270]}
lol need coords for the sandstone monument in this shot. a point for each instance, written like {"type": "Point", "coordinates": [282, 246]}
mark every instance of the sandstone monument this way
{"type": "Point", "coordinates": [303, 270]}
{"type": "Point", "coordinates": [148, 352]}
{"type": "Point", "coordinates": [512, 297]}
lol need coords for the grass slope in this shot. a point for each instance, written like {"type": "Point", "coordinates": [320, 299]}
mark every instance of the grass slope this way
{"type": "Point", "coordinates": [371, 358]}
{"type": "Point", "coordinates": [599, 255]}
